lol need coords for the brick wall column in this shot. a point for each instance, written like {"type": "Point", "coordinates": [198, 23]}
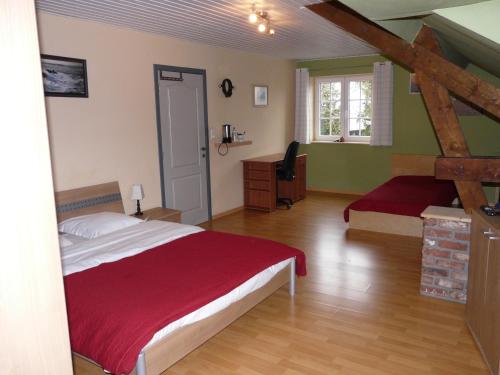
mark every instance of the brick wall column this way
{"type": "Point", "coordinates": [445, 253]}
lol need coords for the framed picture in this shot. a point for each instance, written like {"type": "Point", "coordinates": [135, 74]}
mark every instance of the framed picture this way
{"type": "Point", "coordinates": [414, 88]}
{"type": "Point", "coordinates": [64, 76]}
{"type": "Point", "coordinates": [463, 109]}
{"type": "Point", "coordinates": [260, 98]}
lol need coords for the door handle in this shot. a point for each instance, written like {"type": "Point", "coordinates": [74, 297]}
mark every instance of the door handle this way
{"type": "Point", "coordinates": [488, 233]}
{"type": "Point", "coordinates": [203, 149]}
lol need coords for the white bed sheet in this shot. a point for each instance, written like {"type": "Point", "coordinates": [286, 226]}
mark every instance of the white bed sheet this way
{"type": "Point", "coordinates": [122, 243]}
{"type": "Point", "coordinates": [143, 236]}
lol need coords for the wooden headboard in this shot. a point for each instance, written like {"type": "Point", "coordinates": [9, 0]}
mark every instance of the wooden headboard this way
{"type": "Point", "coordinates": [416, 165]}
{"type": "Point", "coordinates": [89, 200]}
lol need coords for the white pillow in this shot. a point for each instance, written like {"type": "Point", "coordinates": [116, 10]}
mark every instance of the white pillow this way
{"type": "Point", "coordinates": [95, 225]}
{"type": "Point", "coordinates": [66, 239]}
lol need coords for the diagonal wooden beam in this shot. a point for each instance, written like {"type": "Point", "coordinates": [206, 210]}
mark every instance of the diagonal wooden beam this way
{"type": "Point", "coordinates": [469, 169]}
{"type": "Point", "coordinates": [414, 56]}
{"type": "Point", "coordinates": [445, 123]}
{"type": "Point", "coordinates": [439, 104]}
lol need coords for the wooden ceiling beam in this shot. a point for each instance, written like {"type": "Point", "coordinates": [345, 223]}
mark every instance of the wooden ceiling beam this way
{"type": "Point", "coordinates": [439, 105]}
{"type": "Point", "coordinates": [445, 122]}
{"type": "Point", "coordinates": [468, 169]}
{"type": "Point", "coordinates": [414, 56]}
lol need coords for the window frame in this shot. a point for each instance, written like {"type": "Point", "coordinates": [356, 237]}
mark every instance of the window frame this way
{"type": "Point", "coordinates": [344, 107]}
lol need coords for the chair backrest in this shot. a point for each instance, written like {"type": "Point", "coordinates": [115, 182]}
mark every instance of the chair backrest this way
{"type": "Point", "coordinates": [288, 167]}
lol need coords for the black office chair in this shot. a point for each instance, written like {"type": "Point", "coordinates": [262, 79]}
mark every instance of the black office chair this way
{"type": "Point", "coordinates": [286, 171]}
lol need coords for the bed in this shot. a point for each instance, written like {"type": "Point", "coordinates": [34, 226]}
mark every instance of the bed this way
{"type": "Point", "coordinates": [94, 268]}
{"type": "Point", "coordinates": [395, 206]}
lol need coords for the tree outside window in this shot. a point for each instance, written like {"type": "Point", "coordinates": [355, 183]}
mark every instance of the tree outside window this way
{"type": "Point", "coordinates": [344, 108]}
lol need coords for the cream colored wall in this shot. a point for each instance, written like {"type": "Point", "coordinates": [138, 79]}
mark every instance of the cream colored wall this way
{"type": "Point", "coordinates": [33, 323]}
{"type": "Point", "coordinates": [112, 134]}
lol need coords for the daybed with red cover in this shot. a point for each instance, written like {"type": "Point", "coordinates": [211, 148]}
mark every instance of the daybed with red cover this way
{"type": "Point", "coordinates": [406, 195]}
{"type": "Point", "coordinates": [395, 206]}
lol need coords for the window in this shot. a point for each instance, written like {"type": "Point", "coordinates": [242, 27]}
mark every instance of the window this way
{"type": "Point", "coordinates": [343, 108]}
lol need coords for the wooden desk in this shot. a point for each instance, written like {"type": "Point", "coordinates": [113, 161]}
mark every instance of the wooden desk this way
{"type": "Point", "coordinates": [260, 181]}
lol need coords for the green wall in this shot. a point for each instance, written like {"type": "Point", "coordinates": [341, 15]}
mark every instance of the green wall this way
{"type": "Point", "coordinates": [360, 168]}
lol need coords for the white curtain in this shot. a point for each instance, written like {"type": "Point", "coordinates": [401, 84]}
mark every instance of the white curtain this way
{"type": "Point", "coordinates": [382, 104]}
{"type": "Point", "coordinates": [302, 106]}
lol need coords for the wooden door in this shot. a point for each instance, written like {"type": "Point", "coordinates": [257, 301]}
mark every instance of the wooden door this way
{"type": "Point", "coordinates": [483, 296]}
{"type": "Point", "coordinates": [477, 274]}
{"type": "Point", "coordinates": [296, 189]}
{"type": "Point", "coordinates": [287, 189]}
{"type": "Point", "coordinates": [490, 333]}
{"type": "Point", "coordinates": [300, 184]}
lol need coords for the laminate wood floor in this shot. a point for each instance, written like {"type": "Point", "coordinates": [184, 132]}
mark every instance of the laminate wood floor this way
{"type": "Point", "coordinates": [358, 311]}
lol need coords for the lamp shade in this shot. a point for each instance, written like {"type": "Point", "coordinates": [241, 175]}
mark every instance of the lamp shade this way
{"type": "Point", "coordinates": [137, 192]}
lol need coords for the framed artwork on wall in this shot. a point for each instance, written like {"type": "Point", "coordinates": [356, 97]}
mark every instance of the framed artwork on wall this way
{"type": "Point", "coordinates": [414, 88]}
{"type": "Point", "coordinates": [464, 109]}
{"type": "Point", "coordinates": [260, 96]}
{"type": "Point", "coordinates": [461, 108]}
{"type": "Point", "coordinates": [64, 76]}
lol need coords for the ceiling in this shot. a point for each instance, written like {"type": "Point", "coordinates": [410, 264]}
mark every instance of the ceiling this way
{"type": "Point", "coordinates": [388, 9]}
{"type": "Point", "coordinates": [300, 34]}
{"type": "Point", "coordinates": [469, 30]}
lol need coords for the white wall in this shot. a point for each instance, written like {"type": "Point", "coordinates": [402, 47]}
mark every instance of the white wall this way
{"type": "Point", "coordinates": [33, 324]}
{"type": "Point", "coordinates": [112, 134]}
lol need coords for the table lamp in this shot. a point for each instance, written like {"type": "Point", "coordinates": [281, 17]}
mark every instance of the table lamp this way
{"type": "Point", "coordinates": [137, 194]}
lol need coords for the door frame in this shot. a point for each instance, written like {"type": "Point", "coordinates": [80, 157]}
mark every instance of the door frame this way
{"type": "Point", "coordinates": [203, 73]}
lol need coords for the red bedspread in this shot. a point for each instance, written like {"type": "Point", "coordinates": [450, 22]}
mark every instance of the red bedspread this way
{"type": "Point", "coordinates": [115, 309]}
{"type": "Point", "coordinates": [406, 195]}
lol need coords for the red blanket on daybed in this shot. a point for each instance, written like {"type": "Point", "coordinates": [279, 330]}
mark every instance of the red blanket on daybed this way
{"type": "Point", "coordinates": [115, 309]}
{"type": "Point", "coordinates": [406, 195]}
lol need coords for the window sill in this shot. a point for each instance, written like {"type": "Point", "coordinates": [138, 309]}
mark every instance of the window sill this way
{"type": "Point", "coordinates": [342, 143]}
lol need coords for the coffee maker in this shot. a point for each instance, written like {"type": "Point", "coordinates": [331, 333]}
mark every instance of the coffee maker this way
{"type": "Point", "coordinates": [226, 133]}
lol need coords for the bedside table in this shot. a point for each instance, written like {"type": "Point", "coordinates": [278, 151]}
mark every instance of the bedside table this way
{"type": "Point", "coordinates": [160, 213]}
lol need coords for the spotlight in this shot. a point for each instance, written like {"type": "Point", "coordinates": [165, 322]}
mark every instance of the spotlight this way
{"type": "Point", "coordinates": [252, 18]}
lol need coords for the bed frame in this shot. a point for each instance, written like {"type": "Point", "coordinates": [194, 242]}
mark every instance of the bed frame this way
{"type": "Point", "coordinates": [89, 200]}
{"type": "Point", "coordinates": [164, 353]}
{"type": "Point", "coordinates": [402, 165]}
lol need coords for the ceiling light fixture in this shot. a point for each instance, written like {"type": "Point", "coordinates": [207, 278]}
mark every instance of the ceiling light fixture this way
{"type": "Point", "coordinates": [252, 18]}
{"type": "Point", "coordinates": [262, 20]}
{"type": "Point", "coordinates": [262, 27]}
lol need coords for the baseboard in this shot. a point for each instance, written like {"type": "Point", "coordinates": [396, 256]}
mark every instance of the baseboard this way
{"type": "Point", "coordinates": [334, 191]}
{"type": "Point", "coordinates": [228, 212]}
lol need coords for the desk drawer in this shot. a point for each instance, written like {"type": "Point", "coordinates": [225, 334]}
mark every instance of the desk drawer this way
{"type": "Point", "coordinates": [258, 175]}
{"type": "Point", "coordinates": [259, 199]}
{"type": "Point", "coordinates": [258, 185]}
{"type": "Point", "coordinates": [256, 166]}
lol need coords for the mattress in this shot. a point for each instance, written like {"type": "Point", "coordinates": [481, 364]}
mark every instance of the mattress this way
{"type": "Point", "coordinates": [406, 195]}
